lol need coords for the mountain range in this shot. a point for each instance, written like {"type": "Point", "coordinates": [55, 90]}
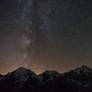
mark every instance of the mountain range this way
{"type": "Point", "coordinates": [25, 80]}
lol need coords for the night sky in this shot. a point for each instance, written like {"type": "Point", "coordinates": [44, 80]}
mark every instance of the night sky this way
{"type": "Point", "coordinates": [45, 34]}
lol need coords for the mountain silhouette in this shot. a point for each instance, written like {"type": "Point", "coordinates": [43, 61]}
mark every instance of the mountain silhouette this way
{"type": "Point", "coordinates": [25, 80]}
{"type": "Point", "coordinates": [83, 75]}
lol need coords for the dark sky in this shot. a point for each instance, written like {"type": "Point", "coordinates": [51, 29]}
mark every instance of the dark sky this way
{"type": "Point", "coordinates": [68, 27]}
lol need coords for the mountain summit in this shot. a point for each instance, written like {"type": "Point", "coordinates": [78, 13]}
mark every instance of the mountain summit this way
{"type": "Point", "coordinates": [83, 69]}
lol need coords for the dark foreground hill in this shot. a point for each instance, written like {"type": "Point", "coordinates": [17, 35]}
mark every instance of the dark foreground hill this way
{"type": "Point", "coordinates": [24, 80]}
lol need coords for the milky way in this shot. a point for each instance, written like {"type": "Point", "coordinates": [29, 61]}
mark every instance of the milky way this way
{"type": "Point", "coordinates": [45, 35]}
